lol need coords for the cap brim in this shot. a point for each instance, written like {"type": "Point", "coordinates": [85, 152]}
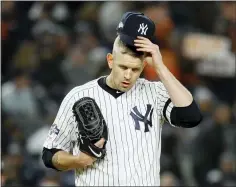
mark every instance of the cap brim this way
{"type": "Point", "coordinates": [129, 40]}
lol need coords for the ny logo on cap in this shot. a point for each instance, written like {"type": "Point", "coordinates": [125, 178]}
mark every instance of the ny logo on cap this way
{"type": "Point", "coordinates": [143, 29]}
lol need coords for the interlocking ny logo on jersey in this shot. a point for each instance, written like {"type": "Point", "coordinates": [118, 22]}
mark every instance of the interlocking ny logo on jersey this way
{"type": "Point", "coordinates": [143, 29]}
{"type": "Point", "coordinates": [138, 117]}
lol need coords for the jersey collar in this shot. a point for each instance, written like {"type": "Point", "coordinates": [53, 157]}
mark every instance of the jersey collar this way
{"type": "Point", "coordinates": [102, 83]}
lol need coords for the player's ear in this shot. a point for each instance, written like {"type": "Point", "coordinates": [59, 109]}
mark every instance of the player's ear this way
{"type": "Point", "coordinates": [110, 60]}
{"type": "Point", "coordinates": [144, 63]}
{"type": "Point", "coordinates": [147, 61]}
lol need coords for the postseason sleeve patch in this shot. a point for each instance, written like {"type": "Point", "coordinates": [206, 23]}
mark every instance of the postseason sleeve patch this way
{"type": "Point", "coordinates": [54, 130]}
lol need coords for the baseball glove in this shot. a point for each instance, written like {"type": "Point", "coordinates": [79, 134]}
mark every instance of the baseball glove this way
{"type": "Point", "coordinates": [91, 125]}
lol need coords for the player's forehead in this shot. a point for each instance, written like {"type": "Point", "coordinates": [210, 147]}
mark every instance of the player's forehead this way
{"type": "Point", "coordinates": [129, 61]}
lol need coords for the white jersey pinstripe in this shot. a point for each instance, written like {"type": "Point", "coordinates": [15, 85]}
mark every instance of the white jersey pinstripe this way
{"type": "Point", "coordinates": [133, 155]}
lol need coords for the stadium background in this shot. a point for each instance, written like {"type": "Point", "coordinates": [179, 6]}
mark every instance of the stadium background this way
{"type": "Point", "coordinates": [50, 47]}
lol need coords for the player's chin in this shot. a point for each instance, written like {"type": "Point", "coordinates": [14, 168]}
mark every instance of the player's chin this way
{"type": "Point", "coordinates": [125, 87]}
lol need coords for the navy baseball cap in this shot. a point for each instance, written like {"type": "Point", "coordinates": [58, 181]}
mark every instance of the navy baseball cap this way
{"type": "Point", "coordinates": [135, 24]}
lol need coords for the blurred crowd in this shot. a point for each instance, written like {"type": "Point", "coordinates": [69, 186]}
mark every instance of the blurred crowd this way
{"type": "Point", "coordinates": [50, 47]}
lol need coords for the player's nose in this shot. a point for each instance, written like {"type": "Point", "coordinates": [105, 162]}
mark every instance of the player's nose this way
{"type": "Point", "coordinates": [128, 74]}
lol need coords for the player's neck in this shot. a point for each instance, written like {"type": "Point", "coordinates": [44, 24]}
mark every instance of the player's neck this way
{"type": "Point", "coordinates": [110, 82]}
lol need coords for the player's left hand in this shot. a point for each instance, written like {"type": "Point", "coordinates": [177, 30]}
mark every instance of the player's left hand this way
{"type": "Point", "coordinates": [145, 45]}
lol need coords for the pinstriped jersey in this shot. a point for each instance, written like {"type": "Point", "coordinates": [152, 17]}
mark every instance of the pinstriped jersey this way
{"type": "Point", "coordinates": [134, 121]}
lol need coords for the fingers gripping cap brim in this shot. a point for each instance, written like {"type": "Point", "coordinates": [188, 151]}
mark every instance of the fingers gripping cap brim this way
{"type": "Point", "coordinates": [129, 40]}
